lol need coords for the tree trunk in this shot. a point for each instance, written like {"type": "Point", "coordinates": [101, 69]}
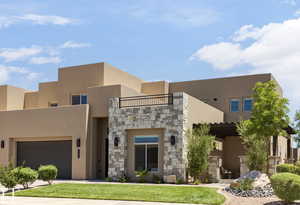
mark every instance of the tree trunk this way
{"type": "Point", "coordinates": [268, 154]}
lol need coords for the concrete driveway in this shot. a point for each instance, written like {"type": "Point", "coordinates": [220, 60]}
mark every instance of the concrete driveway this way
{"type": "Point", "coordinates": [56, 201]}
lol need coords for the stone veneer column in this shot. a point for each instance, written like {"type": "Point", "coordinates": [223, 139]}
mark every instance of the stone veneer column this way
{"type": "Point", "coordinates": [273, 162]}
{"type": "Point", "coordinates": [243, 165]}
{"type": "Point", "coordinates": [214, 166]}
{"type": "Point", "coordinates": [171, 118]}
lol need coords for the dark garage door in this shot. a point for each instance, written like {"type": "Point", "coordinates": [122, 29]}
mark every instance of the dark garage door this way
{"type": "Point", "coordinates": [58, 153]}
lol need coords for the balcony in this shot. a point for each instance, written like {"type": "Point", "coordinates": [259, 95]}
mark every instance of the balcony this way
{"type": "Point", "coordinates": [146, 100]}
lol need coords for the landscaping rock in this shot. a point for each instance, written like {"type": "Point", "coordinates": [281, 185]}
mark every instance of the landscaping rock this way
{"type": "Point", "coordinates": [261, 186]}
{"type": "Point", "coordinates": [260, 179]}
{"type": "Point", "coordinates": [265, 191]}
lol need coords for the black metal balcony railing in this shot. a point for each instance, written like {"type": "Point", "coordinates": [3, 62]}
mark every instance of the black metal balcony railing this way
{"type": "Point", "coordinates": [146, 100]}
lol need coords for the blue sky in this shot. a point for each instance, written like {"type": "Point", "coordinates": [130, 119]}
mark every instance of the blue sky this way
{"type": "Point", "coordinates": [154, 39]}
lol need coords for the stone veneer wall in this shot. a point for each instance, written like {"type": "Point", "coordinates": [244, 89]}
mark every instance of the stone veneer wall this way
{"type": "Point", "coordinates": [172, 118]}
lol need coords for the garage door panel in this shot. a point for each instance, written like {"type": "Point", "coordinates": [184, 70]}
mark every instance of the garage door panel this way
{"type": "Point", "coordinates": [58, 153]}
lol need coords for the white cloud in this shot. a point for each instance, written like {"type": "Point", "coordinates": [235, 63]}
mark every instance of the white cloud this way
{"type": "Point", "coordinates": [6, 21]}
{"type": "Point", "coordinates": [7, 71]}
{"type": "Point", "coordinates": [219, 56]}
{"type": "Point", "coordinates": [297, 13]}
{"type": "Point", "coordinates": [289, 2]}
{"type": "Point", "coordinates": [72, 44]}
{"type": "Point", "coordinates": [45, 60]}
{"type": "Point", "coordinates": [33, 76]}
{"type": "Point", "coordinates": [43, 20]}
{"type": "Point", "coordinates": [11, 54]}
{"type": "Point", "coordinates": [168, 12]}
{"type": "Point", "coordinates": [273, 48]}
{"type": "Point", "coordinates": [33, 54]}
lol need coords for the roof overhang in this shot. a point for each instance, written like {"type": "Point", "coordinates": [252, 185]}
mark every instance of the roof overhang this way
{"type": "Point", "coordinates": [223, 129]}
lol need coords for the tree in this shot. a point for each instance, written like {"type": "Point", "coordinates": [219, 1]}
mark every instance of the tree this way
{"type": "Point", "coordinates": [297, 128]}
{"type": "Point", "coordinates": [256, 153]}
{"type": "Point", "coordinates": [200, 144]}
{"type": "Point", "coordinates": [269, 115]}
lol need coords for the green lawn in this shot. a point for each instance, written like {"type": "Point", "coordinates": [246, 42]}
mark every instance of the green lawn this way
{"type": "Point", "coordinates": [128, 192]}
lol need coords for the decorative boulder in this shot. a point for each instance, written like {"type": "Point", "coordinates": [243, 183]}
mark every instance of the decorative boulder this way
{"type": "Point", "coordinates": [260, 179]}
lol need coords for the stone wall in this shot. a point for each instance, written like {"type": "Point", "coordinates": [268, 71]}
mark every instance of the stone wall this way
{"type": "Point", "coordinates": [172, 118]}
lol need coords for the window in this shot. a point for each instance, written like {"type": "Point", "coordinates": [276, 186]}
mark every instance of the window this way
{"type": "Point", "coordinates": [234, 105]}
{"type": "Point", "coordinates": [146, 153]}
{"type": "Point", "coordinates": [247, 104]}
{"type": "Point", "coordinates": [79, 99]}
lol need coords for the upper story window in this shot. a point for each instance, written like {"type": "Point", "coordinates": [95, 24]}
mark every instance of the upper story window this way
{"type": "Point", "coordinates": [234, 105]}
{"type": "Point", "coordinates": [79, 99]}
{"type": "Point", "coordinates": [248, 104]}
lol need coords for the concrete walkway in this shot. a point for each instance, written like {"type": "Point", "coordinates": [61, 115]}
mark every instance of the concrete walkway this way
{"type": "Point", "coordinates": [59, 201]}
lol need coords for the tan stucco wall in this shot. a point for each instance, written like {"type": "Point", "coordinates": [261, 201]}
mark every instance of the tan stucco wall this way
{"type": "Point", "coordinates": [131, 151]}
{"type": "Point", "coordinates": [153, 88]}
{"type": "Point", "coordinates": [223, 89]}
{"type": "Point", "coordinates": [3, 97]}
{"type": "Point", "coordinates": [115, 76]}
{"type": "Point", "coordinates": [31, 100]}
{"type": "Point", "coordinates": [232, 149]}
{"type": "Point", "coordinates": [77, 80]}
{"type": "Point", "coordinates": [11, 98]}
{"type": "Point", "coordinates": [200, 112]}
{"type": "Point", "coordinates": [100, 95]}
{"type": "Point", "coordinates": [70, 121]}
{"type": "Point", "coordinates": [47, 93]}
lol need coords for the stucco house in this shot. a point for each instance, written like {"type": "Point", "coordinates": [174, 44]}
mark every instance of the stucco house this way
{"type": "Point", "coordinates": [97, 121]}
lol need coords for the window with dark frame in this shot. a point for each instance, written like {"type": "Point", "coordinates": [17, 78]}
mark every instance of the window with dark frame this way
{"type": "Point", "coordinates": [79, 99]}
{"type": "Point", "coordinates": [146, 153]}
{"type": "Point", "coordinates": [247, 105]}
{"type": "Point", "coordinates": [234, 105]}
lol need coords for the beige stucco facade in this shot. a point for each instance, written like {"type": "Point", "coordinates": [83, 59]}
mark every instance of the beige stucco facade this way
{"type": "Point", "coordinates": [47, 114]}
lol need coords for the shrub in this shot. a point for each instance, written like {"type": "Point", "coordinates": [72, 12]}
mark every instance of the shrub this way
{"type": "Point", "coordinates": [7, 178]}
{"type": "Point", "coordinates": [25, 176]}
{"type": "Point", "coordinates": [109, 179]}
{"type": "Point", "coordinates": [142, 175]}
{"type": "Point", "coordinates": [286, 186]}
{"type": "Point", "coordinates": [244, 185]}
{"type": "Point", "coordinates": [179, 181]}
{"type": "Point", "coordinates": [286, 168]}
{"type": "Point", "coordinates": [47, 173]}
{"type": "Point", "coordinates": [156, 179]}
{"type": "Point", "coordinates": [200, 145]}
{"type": "Point", "coordinates": [123, 179]}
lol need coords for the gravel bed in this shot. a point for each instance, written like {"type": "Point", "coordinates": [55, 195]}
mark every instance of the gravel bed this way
{"type": "Point", "coordinates": [258, 192]}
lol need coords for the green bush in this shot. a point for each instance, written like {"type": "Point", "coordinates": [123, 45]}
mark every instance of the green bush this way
{"type": "Point", "coordinates": [156, 179]}
{"type": "Point", "coordinates": [25, 176]}
{"type": "Point", "coordinates": [48, 173]}
{"type": "Point", "coordinates": [286, 186]}
{"type": "Point", "coordinates": [286, 168]}
{"type": "Point", "coordinates": [245, 184]}
{"type": "Point", "coordinates": [142, 175]}
{"type": "Point", "coordinates": [7, 178]}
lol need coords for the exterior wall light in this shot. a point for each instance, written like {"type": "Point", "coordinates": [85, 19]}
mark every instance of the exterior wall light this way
{"type": "Point", "coordinates": [116, 141]}
{"type": "Point", "coordinates": [78, 142]}
{"type": "Point", "coordinates": [173, 140]}
{"type": "Point", "coordinates": [2, 144]}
